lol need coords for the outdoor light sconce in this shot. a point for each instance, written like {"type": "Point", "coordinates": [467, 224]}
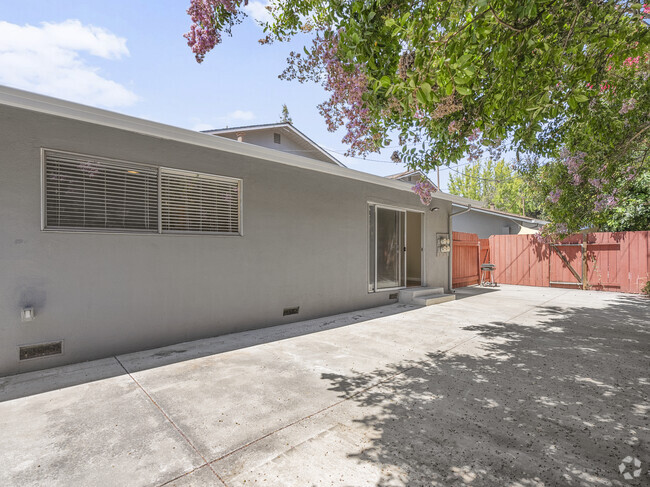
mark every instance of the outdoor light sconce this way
{"type": "Point", "coordinates": [27, 314]}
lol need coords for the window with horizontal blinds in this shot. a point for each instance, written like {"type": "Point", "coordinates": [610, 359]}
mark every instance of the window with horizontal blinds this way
{"type": "Point", "coordinates": [199, 203]}
{"type": "Point", "coordinates": [88, 193]}
{"type": "Point", "coordinates": [81, 192]}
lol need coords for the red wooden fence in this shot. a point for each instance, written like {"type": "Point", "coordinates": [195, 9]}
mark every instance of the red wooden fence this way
{"type": "Point", "coordinates": [466, 266]}
{"type": "Point", "coordinates": [612, 261]}
{"type": "Point", "coordinates": [484, 249]}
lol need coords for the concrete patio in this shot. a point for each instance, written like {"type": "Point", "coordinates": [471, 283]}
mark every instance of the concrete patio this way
{"type": "Point", "coordinates": [517, 386]}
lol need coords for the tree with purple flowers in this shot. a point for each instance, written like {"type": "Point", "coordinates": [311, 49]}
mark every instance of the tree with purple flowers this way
{"type": "Point", "coordinates": [560, 87]}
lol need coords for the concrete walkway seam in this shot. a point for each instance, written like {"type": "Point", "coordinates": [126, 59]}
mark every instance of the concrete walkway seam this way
{"type": "Point", "coordinates": [175, 426]}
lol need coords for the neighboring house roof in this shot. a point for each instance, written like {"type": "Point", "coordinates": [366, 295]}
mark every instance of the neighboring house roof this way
{"type": "Point", "coordinates": [308, 147]}
{"type": "Point", "coordinates": [408, 176]}
{"type": "Point", "coordinates": [461, 202]}
{"type": "Point", "coordinates": [60, 108]}
{"type": "Point", "coordinates": [504, 214]}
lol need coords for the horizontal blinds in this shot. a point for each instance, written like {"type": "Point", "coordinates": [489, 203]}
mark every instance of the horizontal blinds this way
{"type": "Point", "coordinates": [88, 193]}
{"type": "Point", "coordinates": [199, 203]}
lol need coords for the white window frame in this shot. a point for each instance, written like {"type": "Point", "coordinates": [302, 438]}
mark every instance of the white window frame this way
{"type": "Point", "coordinates": [160, 169]}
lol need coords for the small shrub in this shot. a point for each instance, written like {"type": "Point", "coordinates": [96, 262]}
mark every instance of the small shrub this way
{"type": "Point", "coordinates": [646, 289]}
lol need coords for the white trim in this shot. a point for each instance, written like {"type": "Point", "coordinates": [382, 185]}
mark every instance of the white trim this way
{"type": "Point", "coordinates": [398, 208]}
{"type": "Point", "coordinates": [507, 216]}
{"type": "Point", "coordinates": [404, 261]}
{"type": "Point", "coordinates": [74, 111]}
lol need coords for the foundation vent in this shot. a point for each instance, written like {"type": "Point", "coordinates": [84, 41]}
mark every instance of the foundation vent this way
{"type": "Point", "coordinates": [41, 350]}
{"type": "Point", "coordinates": [393, 296]}
{"type": "Point", "coordinates": [291, 311]}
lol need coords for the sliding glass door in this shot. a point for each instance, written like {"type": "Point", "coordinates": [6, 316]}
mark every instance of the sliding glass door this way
{"type": "Point", "coordinates": [387, 248]}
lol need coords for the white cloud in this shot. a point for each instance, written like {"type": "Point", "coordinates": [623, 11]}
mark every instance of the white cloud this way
{"type": "Point", "coordinates": [234, 118]}
{"type": "Point", "coordinates": [47, 59]}
{"type": "Point", "coordinates": [243, 115]}
{"type": "Point", "coordinates": [258, 11]}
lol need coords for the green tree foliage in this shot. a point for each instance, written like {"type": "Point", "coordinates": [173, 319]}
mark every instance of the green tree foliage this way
{"type": "Point", "coordinates": [564, 84]}
{"type": "Point", "coordinates": [633, 210]}
{"type": "Point", "coordinates": [284, 115]}
{"type": "Point", "coordinates": [495, 183]}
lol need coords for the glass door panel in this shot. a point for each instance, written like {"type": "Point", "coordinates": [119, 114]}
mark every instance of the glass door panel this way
{"type": "Point", "coordinates": [389, 234]}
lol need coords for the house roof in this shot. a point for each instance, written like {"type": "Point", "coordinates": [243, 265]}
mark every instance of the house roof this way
{"type": "Point", "coordinates": [412, 172]}
{"type": "Point", "coordinates": [480, 208]}
{"type": "Point", "coordinates": [475, 205]}
{"type": "Point", "coordinates": [406, 173]}
{"type": "Point", "coordinates": [302, 139]}
{"type": "Point", "coordinates": [53, 106]}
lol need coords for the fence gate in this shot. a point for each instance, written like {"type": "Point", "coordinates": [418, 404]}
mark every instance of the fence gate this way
{"type": "Point", "coordinates": [567, 265]}
{"type": "Point", "coordinates": [607, 261]}
{"type": "Point", "coordinates": [466, 259]}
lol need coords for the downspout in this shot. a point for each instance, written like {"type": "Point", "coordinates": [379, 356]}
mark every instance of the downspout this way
{"type": "Point", "coordinates": [450, 275]}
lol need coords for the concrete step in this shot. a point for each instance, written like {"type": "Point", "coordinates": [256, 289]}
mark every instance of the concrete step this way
{"type": "Point", "coordinates": [429, 299]}
{"type": "Point", "coordinates": [408, 294]}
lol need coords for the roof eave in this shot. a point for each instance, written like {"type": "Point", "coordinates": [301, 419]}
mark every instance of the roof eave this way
{"type": "Point", "coordinates": [44, 104]}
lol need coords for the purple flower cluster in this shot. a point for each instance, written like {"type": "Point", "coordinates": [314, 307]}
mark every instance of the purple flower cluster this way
{"type": "Point", "coordinates": [554, 196]}
{"type": "Point", "coordinates": [605, 201]}
{"type": "Point", "coordinates": [573, 163]}
{"type": "Point", "coordinates": [347, 84]}
{"type": "Point", "coordinates": [627, 106]}
{"type": "Point", "coordinates": [204, 34]}
{"type": "Point", "coordinates": [424, 190]}
{"type": "Point", "coordinates": [630, 173]}
{"type": "Point", "coordinates": [596, 183]}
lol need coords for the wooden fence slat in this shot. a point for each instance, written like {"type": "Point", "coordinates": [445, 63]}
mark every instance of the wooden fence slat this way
{"type": "Point", "coordinates": [615, 261]}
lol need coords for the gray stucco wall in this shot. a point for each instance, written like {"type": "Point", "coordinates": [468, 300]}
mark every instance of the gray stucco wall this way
{"type": "Point", "coordinates": [484, 225]}
{"type": "Point", "coordinates": [305, 243]}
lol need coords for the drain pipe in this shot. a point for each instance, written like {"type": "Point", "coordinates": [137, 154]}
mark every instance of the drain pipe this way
{"type": "Point", "coordinates": [450, 269]}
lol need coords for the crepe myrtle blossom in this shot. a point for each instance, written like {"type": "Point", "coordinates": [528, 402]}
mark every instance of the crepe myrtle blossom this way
{"type": "Point", "coordinates": [204, 34]}
{"type": "Point", "coordinates": [605, 201]}
{"type": "Point", "coordinates": [554, 196]}
{"type": "Point", "coordinates": [596, 183]}
{"type": "Point", "coordinates": [424, 190]}
{"type": "Point", "coordinates": [627, 106]}
{"type": "Point", "coordinates": [573, 163]}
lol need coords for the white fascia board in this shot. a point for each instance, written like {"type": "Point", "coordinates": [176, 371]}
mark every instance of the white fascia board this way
{"type": "Point", "coordinates": [83, 113]}
{"type": "Point", "coordinates": [502, 215]}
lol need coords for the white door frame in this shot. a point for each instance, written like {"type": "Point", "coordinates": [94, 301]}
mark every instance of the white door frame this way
{"type": "Point", "coordinates": [403, 264]}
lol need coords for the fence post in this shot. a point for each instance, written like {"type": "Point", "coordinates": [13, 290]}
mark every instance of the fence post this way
{"type": "Point", "coordinates": [583, 247]}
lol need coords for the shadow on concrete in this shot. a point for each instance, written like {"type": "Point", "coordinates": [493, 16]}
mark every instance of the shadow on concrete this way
{"type": "Point", "coordinates": [476, 290]}
{"type": "Point", "coordinates": [37, 382]}
{"type": "Point", "coordinates": [559, 398]}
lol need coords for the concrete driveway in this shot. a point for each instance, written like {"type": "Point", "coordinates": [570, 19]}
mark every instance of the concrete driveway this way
{"type": "Point", "coordinates": [518, 386]}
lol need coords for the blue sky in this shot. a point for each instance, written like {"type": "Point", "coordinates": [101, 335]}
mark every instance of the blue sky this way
{"type": "Point", "coordinates": [129, 56]}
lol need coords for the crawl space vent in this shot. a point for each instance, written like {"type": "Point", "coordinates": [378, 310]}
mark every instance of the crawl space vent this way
{"type": "Point", "coordinates": [40, 350]}
{"type": "Point", "coordinates": [393, 296]}
{"type": "Point", "coordinates": [291, 311]}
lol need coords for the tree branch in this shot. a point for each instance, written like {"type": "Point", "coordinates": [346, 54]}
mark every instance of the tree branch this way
{"type": "Point", "coordinates": [505, 24]}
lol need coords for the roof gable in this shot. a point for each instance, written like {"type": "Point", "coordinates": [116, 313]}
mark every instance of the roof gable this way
{"type": "Point", "coordinates": [281, 136]}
